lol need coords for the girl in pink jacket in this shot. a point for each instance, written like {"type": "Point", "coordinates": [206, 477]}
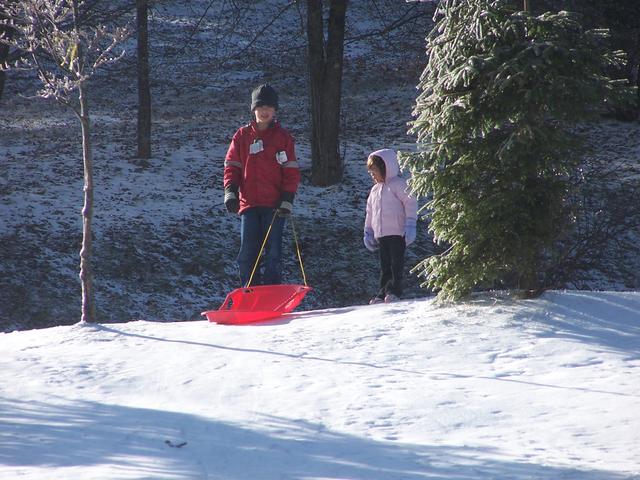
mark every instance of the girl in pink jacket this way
{"type": "Point", "coordinates": [390, 223]}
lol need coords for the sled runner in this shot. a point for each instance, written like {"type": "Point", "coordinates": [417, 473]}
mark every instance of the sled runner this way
{"type": "Point", "coordinates": [264, 302]}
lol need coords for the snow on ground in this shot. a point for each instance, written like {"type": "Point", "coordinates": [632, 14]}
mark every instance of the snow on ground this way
{"type": "Point", "coordinates": [494, 388]}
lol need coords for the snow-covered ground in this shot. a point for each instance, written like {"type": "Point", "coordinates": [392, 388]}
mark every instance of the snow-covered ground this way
{"type": "Point", "coordinates": [492, 389]}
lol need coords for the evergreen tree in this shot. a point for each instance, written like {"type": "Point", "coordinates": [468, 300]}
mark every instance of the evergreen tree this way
{"type": "Point", "coordinates": [499, 95]}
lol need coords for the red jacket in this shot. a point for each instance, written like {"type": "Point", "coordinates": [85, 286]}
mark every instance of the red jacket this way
{"type": "Point", "coordinates": [264, 174]}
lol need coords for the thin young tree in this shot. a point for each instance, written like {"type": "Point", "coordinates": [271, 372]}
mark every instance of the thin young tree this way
{"type": "Point", "coordinates": [325, 88]}
{"type": "Point", "coordinates": [65, 54]}
{"type": "Point", "coordinates": [501, 94]}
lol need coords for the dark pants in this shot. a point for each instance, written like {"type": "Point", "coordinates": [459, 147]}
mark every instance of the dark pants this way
{"type": "Point", "coordinates": [391, 255]}
{"type": "Point", "coordinates": [253, 228]}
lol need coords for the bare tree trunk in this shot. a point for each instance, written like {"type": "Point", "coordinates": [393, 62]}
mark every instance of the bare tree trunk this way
{"type": "Point", "coordinates": [325, 85]}
{"type": "Point", "coordinates": [144, 93]}
{"type": "Point", "coordinates": [526, 6]}
{"type": "Point", "coordinates": [86, 272]}
{"type": "Point", "coordinates": [4, 53]}
{"type": "Point", "coordinates": [7, 33]}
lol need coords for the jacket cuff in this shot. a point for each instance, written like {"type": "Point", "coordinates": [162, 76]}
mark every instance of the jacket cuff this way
{"type": "Point", "coordinates": [287, 197]}
{"type": "Point", "coordinates": [230, 193]}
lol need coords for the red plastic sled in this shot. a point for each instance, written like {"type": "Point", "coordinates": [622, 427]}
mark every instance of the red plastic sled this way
{"type": "Point", "coordinates": [257, 304]}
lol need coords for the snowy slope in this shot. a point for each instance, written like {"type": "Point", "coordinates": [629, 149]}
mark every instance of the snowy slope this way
{"type": "Point", "coordinates": [495, 388]}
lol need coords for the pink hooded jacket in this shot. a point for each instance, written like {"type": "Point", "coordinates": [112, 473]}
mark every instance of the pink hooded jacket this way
{"type": "Point", "coordinates": [389, 206]}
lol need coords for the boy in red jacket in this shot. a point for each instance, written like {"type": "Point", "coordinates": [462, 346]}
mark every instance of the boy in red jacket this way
{"type": "Point", "coordinates": [261, 176]}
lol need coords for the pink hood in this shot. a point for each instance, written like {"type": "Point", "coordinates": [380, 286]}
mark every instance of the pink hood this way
{"type": "Point", "coordinates": [389, 206]}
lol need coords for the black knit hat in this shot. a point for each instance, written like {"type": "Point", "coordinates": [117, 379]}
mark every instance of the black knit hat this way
{"type": "Point", "coordinates": [264, 95]}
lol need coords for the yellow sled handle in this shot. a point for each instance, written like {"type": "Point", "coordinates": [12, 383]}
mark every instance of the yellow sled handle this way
{"type": "Point", "coordinates": [295, 238]}
{"type": "Point", "coordinates": [264, 242]}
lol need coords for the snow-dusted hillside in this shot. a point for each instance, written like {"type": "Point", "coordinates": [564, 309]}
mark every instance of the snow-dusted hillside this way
{"type": "Point", "coordinates": [164, 247]}
{"type": "Point", "coordinates": [493, 389]}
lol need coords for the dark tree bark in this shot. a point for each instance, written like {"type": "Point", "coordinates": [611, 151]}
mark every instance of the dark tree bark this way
{"type": "Point", "coordinates": [325, 84]}
{"type": "Point", "coordinates": [5, 32]}
{"type": "Point", "coordinates": [4, 53]}
{"type": "Point", "coordinates": [144, 93]}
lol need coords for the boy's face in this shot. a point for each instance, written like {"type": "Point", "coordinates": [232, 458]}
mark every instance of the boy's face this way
{"type": "Point", "coordinates": [264, 114]}
{"type": "Point", "coordinates": [376, 174]}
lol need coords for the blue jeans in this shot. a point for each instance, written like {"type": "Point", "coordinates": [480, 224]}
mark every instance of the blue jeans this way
{"type": "Point", "coordinates": [253, 228]}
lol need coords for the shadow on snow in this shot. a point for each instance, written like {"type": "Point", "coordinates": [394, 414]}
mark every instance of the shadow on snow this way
{"type": "Point", "coordinates": [145, 443]}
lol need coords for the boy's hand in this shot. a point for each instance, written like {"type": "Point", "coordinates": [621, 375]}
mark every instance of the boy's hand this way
{"type": "Point", "coordinates": [231, 199]}
{"type": "Point", "coordinates": [284, 209]}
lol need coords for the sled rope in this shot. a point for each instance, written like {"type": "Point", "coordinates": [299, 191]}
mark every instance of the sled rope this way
{"type": "Point", "coordinates": [295, 238]}
{"type": "Point", "coordinates": [264, 242]}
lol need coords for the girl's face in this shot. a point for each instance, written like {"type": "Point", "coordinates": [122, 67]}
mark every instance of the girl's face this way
{"type": "Point", "coordinates": [376, 174]}
{"type": "Point", "coordinates": [264, 115]}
